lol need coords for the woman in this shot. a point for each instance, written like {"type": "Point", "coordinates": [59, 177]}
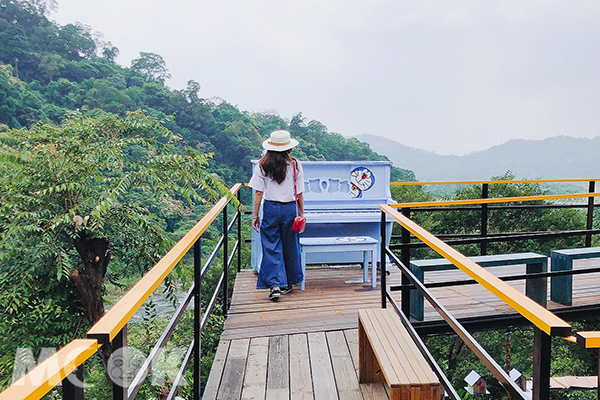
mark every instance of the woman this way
{"type": "Point", "coordinates": [273, 181]}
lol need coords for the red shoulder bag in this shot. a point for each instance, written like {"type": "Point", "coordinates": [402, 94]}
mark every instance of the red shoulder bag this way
{"type": "Point", "coordinates": [299, 222]}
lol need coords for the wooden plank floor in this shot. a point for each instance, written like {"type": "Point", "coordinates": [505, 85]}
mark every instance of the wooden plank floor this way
{"type": "Point", "coordinates": [330, 302]}
{"type": "Point", "coordinates": [301, 366]}
{"type": "Point", "coordinates": [305, 345]}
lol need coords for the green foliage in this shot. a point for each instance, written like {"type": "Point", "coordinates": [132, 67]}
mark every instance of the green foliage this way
{"type": "Point", "coordinates": [121, 180]}
{"type": "Point", "coordinates": [499, 221]}
{"type": "Point", "coordinates": [151, 66]}
{"type": "Point", "coordinates": [457, 360]}
{"type": "Point", "coordinates": [66, 189]}
{"type": "Point", "coordinates": [502, 221]}
{"type": "Point", "coordinates": [59, 69]}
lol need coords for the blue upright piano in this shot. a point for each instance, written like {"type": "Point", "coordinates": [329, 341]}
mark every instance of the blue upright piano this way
{"type": "Point", "coordinates": [341, 199]}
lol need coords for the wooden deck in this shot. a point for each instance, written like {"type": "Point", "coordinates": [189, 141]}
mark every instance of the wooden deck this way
{"type": "Point", "coordinates": [305, 345]}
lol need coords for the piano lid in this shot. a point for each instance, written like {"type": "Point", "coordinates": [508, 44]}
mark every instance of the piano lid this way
{"type": "Point", "coordinates": [346, 184]}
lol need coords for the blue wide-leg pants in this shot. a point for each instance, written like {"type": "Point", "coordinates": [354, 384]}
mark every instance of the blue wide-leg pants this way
{"type": "Point", "coordinates": [280, 264]}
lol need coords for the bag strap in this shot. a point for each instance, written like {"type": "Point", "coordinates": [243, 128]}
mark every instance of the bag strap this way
{"type": "Point", "coordinates": [295, 194]}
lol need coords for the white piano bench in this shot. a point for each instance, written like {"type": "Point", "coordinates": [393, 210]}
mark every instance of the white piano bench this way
{"type": "Point", "coordinates": [366, 244]}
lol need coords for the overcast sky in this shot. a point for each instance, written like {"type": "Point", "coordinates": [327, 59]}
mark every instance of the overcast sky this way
{"type": "Point", "coordinates": [446, 76]}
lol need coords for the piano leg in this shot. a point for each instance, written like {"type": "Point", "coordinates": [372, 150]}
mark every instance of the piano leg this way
{"type": "Point", "coordinates": [303, 262]}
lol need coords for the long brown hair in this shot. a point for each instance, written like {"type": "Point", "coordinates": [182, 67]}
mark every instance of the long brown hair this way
{"type": "Point", "coordinates": [274, 164]}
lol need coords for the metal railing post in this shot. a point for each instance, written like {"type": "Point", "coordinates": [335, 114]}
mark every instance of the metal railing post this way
{"type": "Point", "coordinates": [541, 364]}
{"type": "Point", "coordinates": [405, 259]}
{"type": "Point", "coordinates": [239, 232]}
{"type": "Point", "coordinates": [225, 261]}
{"type": "Point", "coordinates": [72, 385]}
{"type": "Point", "coordinates": [118, 365]}
{"type": "Point", "coordinates": [197, 318]}
{"type": "Point", "coordinates": [484, 219]}
{"type": "Point", "coordinates": [590, 215]}
{"type": "Point", "coordinates": [382, 262]}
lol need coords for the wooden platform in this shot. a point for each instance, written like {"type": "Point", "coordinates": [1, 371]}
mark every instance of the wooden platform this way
{"type": "Point", "coordinates": [316, 365]}
{"type": "Point", "coordinates": [305, 346]}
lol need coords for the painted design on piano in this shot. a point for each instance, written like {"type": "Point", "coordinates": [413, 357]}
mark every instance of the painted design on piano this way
{"type": "Point", "coordinates": [329, 185]}
{"type": "Point", "coordinates": [362, 179]}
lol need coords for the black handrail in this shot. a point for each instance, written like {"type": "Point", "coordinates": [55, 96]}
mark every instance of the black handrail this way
{"type": "Point", "coordinates": [200, 320]}
{"type": "Point", "coordinates": [542, 348]}
{"type": "Point", "coordinates": [483, 238]}
{"type": "Point", "coordinates": [467, 338]}
{"type": "Point", "coordinates": [111, 330]}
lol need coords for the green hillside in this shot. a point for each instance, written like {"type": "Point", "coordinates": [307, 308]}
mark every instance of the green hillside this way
{"type": "Point", "coordinates": [48, 71]}
{"type": "Point", "coordinates": [560, 157]}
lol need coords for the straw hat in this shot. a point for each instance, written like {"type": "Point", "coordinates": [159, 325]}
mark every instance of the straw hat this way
{"type": "Point", "coordinates": [280, 141]}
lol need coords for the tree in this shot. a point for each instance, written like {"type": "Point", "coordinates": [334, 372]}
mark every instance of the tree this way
{"type": "Point", "coordinates": [19, 106]}
{"type": "Point", "coordinates": [76, 41]}
{"type": "Point", "coordinates": [76, 197]}
{"type": "Point", "coordinates": [151, 66]}
{"type": "Point", "coordinates": [191, 91]}
{"type": "Point", "coordinates": [110, 52]}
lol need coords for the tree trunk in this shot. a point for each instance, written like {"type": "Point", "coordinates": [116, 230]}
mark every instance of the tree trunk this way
{"type": "Point", "coordinates": [88, 281]}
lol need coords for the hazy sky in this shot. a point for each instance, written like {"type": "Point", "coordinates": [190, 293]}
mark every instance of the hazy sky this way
{"type": "Point", "coordinates": [447, 76]}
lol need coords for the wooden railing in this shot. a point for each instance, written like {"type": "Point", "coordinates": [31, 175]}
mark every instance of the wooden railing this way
{"type": "Point", "coordinates": [66, 364]}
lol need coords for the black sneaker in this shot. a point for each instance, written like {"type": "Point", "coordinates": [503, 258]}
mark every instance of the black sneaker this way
{"type": "Point", "coordinates": [286, 289]}
{"type": "Point", "coordinates": [275, 294]}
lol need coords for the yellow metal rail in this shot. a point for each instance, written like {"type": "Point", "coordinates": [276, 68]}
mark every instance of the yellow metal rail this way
{"type": "Point", "coordinates": [53, 370]}
{"type": "Point", "coordinates": [494, 182]}
{"type": "Point", "coordinates": [535, 313]}
{"type": "Point", "coordinates": [588, 339]}
{"type": "Point", "coordinates": [494, 200]}
{"type": "Point", "coordinates": [117, 317]}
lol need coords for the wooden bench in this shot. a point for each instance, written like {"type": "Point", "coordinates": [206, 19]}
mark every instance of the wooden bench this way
{"type": "Point", "coordinates": [388, 354]}
{"type": "Point", "coordinates": [535, 289]}
{"type": "Point", "coordinates": [561, 287]}
{"type": "Point", "coordinates": [365, 244]}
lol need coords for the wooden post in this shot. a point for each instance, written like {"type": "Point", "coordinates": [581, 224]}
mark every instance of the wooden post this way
{"type": "Point", "coordinates": [541, 364]}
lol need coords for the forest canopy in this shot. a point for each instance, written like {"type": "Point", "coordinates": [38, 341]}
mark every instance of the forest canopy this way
{"type": "Point", "coordinates": [48, 70]}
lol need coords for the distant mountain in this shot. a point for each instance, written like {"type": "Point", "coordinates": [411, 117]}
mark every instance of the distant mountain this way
{"type": "Point", "coordinates": [558, 157]}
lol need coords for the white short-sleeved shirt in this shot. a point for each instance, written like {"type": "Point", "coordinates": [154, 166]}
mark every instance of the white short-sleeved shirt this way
{"type": "Point", "coordinates": [273, 191]}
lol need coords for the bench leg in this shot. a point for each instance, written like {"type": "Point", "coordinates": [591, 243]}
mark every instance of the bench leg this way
{"type": "Point", "coordinates": [368, 367]}
{"type": "Point", "coordinates": [416, 298]}
{"type": "Point", "coordinates": [365, 266]}
{"type": "Point", "coordinates": [561, 287]}
{"type": "Point", "coordinates": [537, 289]}
{"type": "Point", "coordinates": [397, 394]}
